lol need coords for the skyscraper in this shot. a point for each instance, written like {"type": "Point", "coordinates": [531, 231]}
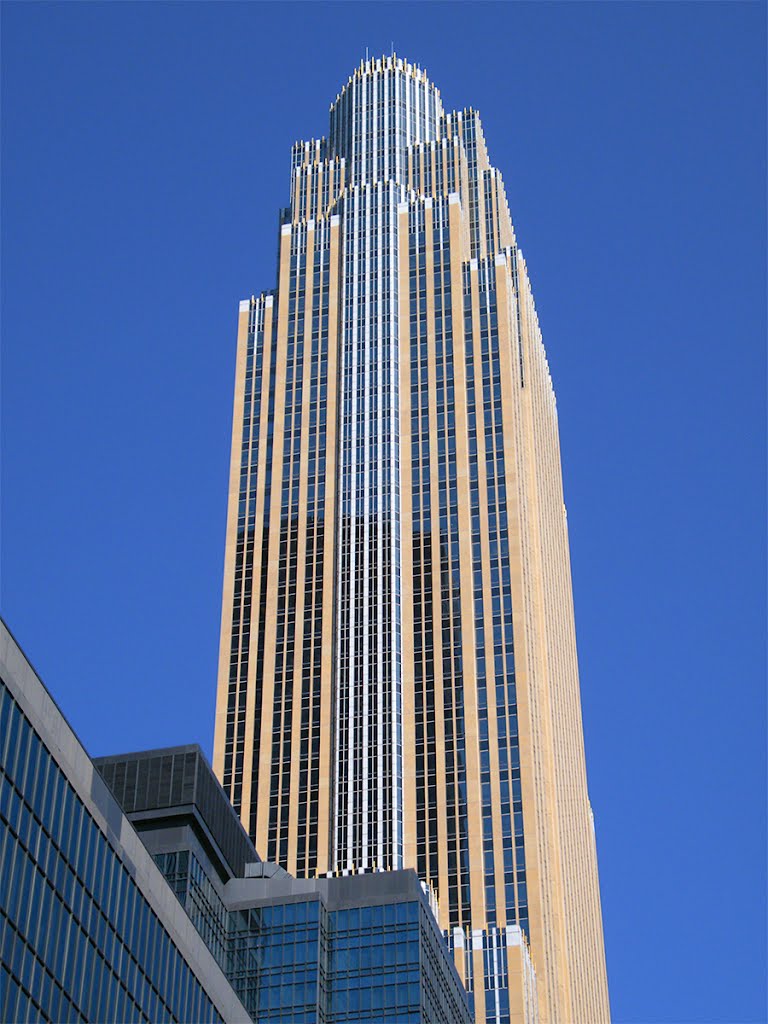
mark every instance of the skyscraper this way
{"type": "Point", "coordinates": [398, 677]}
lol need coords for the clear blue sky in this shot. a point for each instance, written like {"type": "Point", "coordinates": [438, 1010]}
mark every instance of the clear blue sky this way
{"type": "Point", "coordinates": [145, 153]}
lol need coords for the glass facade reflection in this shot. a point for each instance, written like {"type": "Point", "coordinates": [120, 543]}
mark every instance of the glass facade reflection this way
{"type": "Point", "coordinates": [329, 950]}
{"type": "Point", "coordinates": [302, 962]}
{"type": "Point", "coordinates": [79, 942]}
{"type": "Point", "coordinates": [290, 948]}
{"type": "Point", "coordinates": [79, 938]}
{"type": "Point", "coordinates": [386, 966]}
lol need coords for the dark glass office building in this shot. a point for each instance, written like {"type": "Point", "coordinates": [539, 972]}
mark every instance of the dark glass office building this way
{"type": "Point", "coordinates": [331, 950]}
{"type": "Point", "coordinates": [89, 929]}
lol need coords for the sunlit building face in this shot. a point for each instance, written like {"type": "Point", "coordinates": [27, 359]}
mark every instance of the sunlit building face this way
{"type": "Point", "coordinates": [398, 678]}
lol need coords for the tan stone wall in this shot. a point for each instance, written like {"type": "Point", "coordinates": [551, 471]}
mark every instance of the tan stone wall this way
{"type": "Point", "coordinates": [561, 977]}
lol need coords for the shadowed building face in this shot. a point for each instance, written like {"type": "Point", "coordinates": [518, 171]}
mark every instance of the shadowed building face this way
{"type": "Point", "coordinates": [398, 679]}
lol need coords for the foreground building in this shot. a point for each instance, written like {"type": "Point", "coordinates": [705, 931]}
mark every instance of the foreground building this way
{"type": "Point", "coordinates": [325, 951]}
{"type": "Point", "coordinates": [89, 929]}
{"type": "Point", "coordinates": [398, 679]}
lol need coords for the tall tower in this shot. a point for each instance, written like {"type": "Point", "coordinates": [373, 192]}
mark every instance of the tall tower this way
{"type": "Point", "coordinates": [398, 681]}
